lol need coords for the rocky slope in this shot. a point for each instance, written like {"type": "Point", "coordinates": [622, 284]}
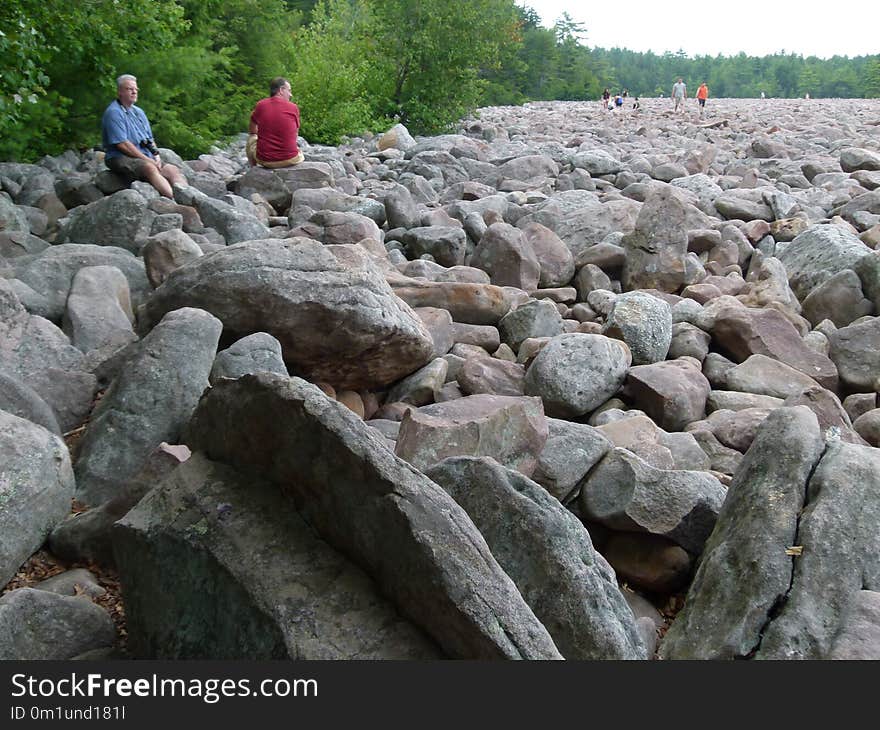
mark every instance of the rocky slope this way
{"type": "Point", "coordinates": [502, 393]}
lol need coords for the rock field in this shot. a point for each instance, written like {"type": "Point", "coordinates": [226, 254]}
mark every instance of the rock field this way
{"type": "Point", "coordinates": [568, 383]}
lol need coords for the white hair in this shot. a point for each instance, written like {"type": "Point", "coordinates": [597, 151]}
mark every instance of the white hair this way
{"type": "Point", "coordinates": [125, 77]}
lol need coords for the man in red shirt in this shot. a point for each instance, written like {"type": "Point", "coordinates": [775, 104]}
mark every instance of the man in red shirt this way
{"type": "Point", "coordinates": [273, 129]}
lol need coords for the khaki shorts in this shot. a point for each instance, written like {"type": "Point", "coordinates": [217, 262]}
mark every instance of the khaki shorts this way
{"type": "Point", "coordinates": [131, 168]}
{"type": "Point", "coordinates": [251, 152]}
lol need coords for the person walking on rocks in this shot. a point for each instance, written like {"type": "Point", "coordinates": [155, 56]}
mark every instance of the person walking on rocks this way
{"type": "Point", "coordinates": [679, 94]}
{"type": "Point", "coordinates": [273, 129]}
{"type": "Point", "coordinates": [606, 95]}
{"type": "Point", "coordinates": [702, 95]}
{"type": "Point", "coordinates": [129, 149]}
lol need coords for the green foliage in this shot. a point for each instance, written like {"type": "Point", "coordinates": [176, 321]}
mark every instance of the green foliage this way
{"type": "Point", "coordinates": [332, 67]}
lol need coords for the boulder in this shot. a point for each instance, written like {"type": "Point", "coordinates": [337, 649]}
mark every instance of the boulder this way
{"type": "Point", "coordinates": [412, 538]}
{"type": "Point", "coordinates": [510, 429]}
{"type": "Point", "coordinates": [673, 392]}
{"type": "Point", "coordinates": [507, 256]}
{"type": "Point", "coordinates": [855, 351]}
{"type": "Point", "coordinates": [19, 399]}
{"type": "Point", "coordinates": [468, 303]}
{"type": "Point", "coordinates": [206, 519]}
{"type": "Point", "coordinates": [42, 625]}
{"type": "Point", "coordinates": [644, 323]}
{"type": "Point", "coordinates": [256, 353]}
{"type": "Point", "coordinates": [571, 450]}
{"type": "Point", "coordinates": [625, 493]}
{"type": "Point", "coordinates": [36, 486]}
{"type": "Point", "coordinates": [122, 220]}
{"type": "Point", "coordinates": [549, 555]}
{"type": "Point", "coordinates": [330, 308]}
{"type": "Point", "coordinates": [745, 571]}
{"type": "Point", "coordinates": [575, 373]}
{"type": "Point", "coordinates": [167, 251]}
{"type": "Point", "coordinates": [150, 402]}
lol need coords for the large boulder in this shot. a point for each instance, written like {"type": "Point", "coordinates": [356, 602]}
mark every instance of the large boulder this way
{"type": "Point", "coordinates": [571, 450]}
{"type": "Point", "coordinates": [672, 392]}
{"type": "Point", "coordinates": [745, 571]}
{"type": "Point", "coordinates": [330, 308]}
{"type": "Point", "coordinates": [123, 220]}
{"type": "Point", "coordinates": [19, 399]}
{"type": "Point", "coordinates": [36, 486]}
{"type": "Point", "coordinates": [839, 539]}
{"type": "Point", "coordinates": [233, 224]}
{"type": "Point", "coordinates": [467, 302]}
{"type": "Point", "coordinates": [855, 350]}
{"type": "Point", "coordinates": [407, 533]}
{"type": "Point", "coordinates": [507, 256]}
{"type": "Point", "coordinates": [549, 555]}
{"type": "Point", "coordinates": [149, 402]}
{"type": "Point", "coordinates": [98, 314]}
{"type": "Point", "coordinates": [178, 531]}
{"type": "Point", "coordinates": [657, 248]}
{"type": "Point", "coordinates": [644, 323]}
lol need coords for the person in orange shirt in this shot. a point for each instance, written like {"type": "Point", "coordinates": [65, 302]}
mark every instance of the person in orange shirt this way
{"type": "Point", "coordinates": [702, 95]}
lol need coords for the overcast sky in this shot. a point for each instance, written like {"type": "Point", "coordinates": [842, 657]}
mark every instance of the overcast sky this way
{"type": "Point", "coordinates": [757, 27]}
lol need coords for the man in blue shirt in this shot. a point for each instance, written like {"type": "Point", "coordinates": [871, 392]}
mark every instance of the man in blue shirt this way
{"type": "Point", "coordinates": [128, 141]}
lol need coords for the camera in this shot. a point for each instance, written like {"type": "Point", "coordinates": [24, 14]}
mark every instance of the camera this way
{"type": "Point", "coordinates": [149, 145]}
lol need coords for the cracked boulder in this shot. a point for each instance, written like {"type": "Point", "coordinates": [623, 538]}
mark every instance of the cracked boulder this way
{"type": "Point", "coordinates": [745, 572]}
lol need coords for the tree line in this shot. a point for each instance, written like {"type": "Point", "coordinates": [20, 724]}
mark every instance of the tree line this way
{"type": "Point", "coordinates": [354, 65]}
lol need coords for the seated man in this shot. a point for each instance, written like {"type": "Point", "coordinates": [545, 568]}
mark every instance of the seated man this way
{"type": "Point", "coordinates": [273, 129]}
{"type": "Point", "coordinates": [129, 148]}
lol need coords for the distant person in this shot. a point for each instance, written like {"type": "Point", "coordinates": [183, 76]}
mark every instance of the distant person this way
{"type": "Point", "coordinates": [807, 95]}
{"type": "Point", "coordinates": [129, 147]}
{"type": "Point", "coordinates": [625, 93]}
{"type": "Point", "coordinates": [618, 101]}
{"type": "Point", "coordinates": [762, 95]}
{"type": "Point", "coordinates": [679, 94]}
{"type": "Point", "coordinates": [606, 95]}
{"type": "Point", "coordinates": [702, 95]}
{"type": "Point", "coordinates": [636, 104]}
{"type": "Point", "coordinates": [274, 128]}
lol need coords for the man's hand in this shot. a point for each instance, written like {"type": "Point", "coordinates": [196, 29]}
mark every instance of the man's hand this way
{"type": "Point", "coordinates": [158, 161]}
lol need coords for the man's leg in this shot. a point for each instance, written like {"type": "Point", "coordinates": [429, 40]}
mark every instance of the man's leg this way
{"type": "Point", "coordinates": [154, 176]}
{"type": "Point", "coordinates": [173, 175]}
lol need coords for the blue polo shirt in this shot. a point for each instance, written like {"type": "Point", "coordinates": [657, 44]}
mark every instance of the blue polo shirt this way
{"type": "Point", "coordinates": [120, 124]}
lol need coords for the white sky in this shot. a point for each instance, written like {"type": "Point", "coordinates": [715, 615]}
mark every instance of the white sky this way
{"type": "Point", "coordinates": [700, 27]}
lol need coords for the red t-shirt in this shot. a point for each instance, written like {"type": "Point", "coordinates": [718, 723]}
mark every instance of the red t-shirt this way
{"type": "Point", "coordinates": [277, 123]}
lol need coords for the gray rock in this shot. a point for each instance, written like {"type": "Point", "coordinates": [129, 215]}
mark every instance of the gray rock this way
{"type": "Point", "coordinates": [575, 373]}
{"type": "Point", "coordinates": [18, 243]}
{"type": "Point", "coordinates": [744, 571]}
{"type": "Point", "coordinates": [838, 298]}
{"type": "Point", "coordinates": [12, 217]}
{"type": "Point", "coordinates": [234, 225]}
{"type": "Point", "coordinates": [34, 350]}
{"type": "Point", "coordinates": [288, 594]}
{"type": "Point", "coordinates": [859, 634]}
{"type": "Point", "coordinates": [72, 582]}
{"type": "Point", "coordinates": [839, 536]}
{"type": "Point", "coordinates": [269, 184]}
{"type": "Point", "coordinates": [420, 547]}
{"type": "Point", "coordinates": [256, 353]}
{"type": "Point", "coordinates": [644, 323]}
{"type": "Point", "coordinates": [122, 220]}
{"type": "Point", "coordinates": [98, 314]}
{"type": "Point", "coordinates": [571, 450]}
{"type": "Point", "coordinates": [420, 388]}
{"type": "Point", "coordinates": [550, 557]}
{"type": "Point", "coordinates": [36, 486]}
{"type": "Point", "coordinates": [855, 350]}
{"type": "Point", "coordinates": [42, 625]}
{"type": "Point", "coordinates": [557, 263]}
{"type": "Point", "coordinates": [51, 273]}
{"type": "Point", "coordinates": [535, 318]}
{"type": "Point", "coordinates": [819, 253]}
{"type": "Point", "coordinates": [150, 402]}
{"type": "Point", "coordinates": [17, 398]}
{"type": "Point", "coordinates": [446, 244]}
{"type": "Point", "coordinates": [763, 375]}
{"type": "Point", "coordinates": [330, 308]}
{"type": "Point", "coordinates": [856, 158]}
{"type": "Point", "coordinates": [626, 493]}
{"type": "Point", "coordinates": [468, 303]}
